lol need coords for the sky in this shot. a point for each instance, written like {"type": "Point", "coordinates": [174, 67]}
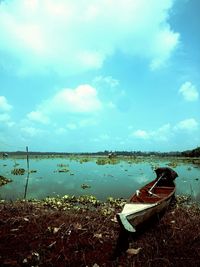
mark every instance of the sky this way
{"type": "Point", "coordinates": [95, 75]}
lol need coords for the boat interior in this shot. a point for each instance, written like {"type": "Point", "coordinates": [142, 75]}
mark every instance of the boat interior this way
{"type": "Point", "coordinates": [157, 194]}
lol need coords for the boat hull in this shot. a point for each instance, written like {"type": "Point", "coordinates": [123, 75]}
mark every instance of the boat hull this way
{"type": "Point", "coordinates": [141, 208]}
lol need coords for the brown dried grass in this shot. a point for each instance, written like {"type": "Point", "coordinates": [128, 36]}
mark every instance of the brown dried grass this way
{"type": "Point", "coordinates": [35, 235]}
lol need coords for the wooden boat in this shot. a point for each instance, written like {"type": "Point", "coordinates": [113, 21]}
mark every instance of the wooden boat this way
{"type": "Point", "coordinates": [149, 200]}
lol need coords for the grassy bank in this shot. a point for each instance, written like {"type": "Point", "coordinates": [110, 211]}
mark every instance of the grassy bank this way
{"type": "Point", "coordinates": [82, 231]}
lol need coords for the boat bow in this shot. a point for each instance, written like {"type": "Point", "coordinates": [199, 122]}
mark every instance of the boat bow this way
{"type": "Point", "coordinates": [132, 210]}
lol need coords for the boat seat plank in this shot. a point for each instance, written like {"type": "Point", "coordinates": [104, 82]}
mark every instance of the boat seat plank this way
{"type": "Point", "coordinates": [165, 187]}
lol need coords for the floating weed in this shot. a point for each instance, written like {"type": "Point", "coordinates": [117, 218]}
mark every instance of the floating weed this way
{"type": "Point", "coordinates": [4, 180]}
{"type": "Point", "coordinates": [32, 171]}
{"type": "Point", "coordinates": [63, 170]}
{"type": "Point", "coordinates": [85, 186]}
{"type": "Point", "coordinates": [19, 171]}
{"type": "Point", "coordinates": [62, 165]}
{"type": "Point", "coordinates": [106, 211]}
{"type": "Point", "coordinates": [173, 164]}
{"type": "Point", "coordinates": [71, 202]}
{"type": "Point", "coordinates": [183, 199]}
{"type": "Point", "coordinates": [115, 202]}
{"type": "Point", "coordinates": [103, 161]}
{"type": "Point", "coordinates": [88, 199]}
{"type": "Point", "coordinates": [83, 160]}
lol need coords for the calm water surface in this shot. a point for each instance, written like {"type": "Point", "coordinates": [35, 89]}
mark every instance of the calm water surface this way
{"type": "Point", "coordinates": [117, 180]}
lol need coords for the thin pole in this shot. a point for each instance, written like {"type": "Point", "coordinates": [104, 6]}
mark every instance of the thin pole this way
{"type": "Point", "coordinates": [27, 178]}
{"type": "Point", "coordinates": [155, 184]}
{"type": "Point", "coordinates": [27, 159]}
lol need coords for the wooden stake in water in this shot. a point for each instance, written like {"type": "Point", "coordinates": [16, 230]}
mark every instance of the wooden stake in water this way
{"type": "Point", "coordinates": [27, 178]}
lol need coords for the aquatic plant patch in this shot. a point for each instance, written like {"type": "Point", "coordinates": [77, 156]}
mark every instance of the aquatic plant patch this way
{"type": "Point", "coordinates": [4, 180]}
{"type": "Point", "coordinates": [19, 171]}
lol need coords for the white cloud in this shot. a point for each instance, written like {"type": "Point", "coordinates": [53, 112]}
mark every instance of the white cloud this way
{"type": "Point", "coordinates": [161, 134]}
{"type": "Point", "coordinates": [187, 124]}
{"type": "Point", "coordinates": [165, 43]}
{"type": "Point", "coordinates": [141, 134]}
{"type": "Point", "coordinates": [69, 36]}
{"type": "Point", "coordinates": [38, 116]}
{"type": "Point", "coordinates": [82, 99]}
{"type": "Point", "coordinates": [6, 120]}
{"type": "Point", "coordinates": [5, 117]}
{"type": "Point", "coordinates": [189, 91]}
{"type": "Point", "coordinates": [106, 80]}
{"type": "Point", "coordinates": [165, 132]}
{"type": "Point", "coordinates": [4, 106]}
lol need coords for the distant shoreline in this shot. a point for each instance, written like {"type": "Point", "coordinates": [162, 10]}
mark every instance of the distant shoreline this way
{"type": "Point", "coordinates": [188, 153]}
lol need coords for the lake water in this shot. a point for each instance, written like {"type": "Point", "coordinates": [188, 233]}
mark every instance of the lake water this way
{"type": "Point", "coordinates": [116, 180]}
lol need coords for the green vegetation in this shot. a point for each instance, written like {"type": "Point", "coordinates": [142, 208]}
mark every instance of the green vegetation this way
{"type": "Point", "coordinates": [85, 186]}
{"type": "Point", "coordinates": [83, 160]}
{"type": "Point", "coordinates": [19, 171]}
{"type": "Point", "coordinates": [4, 180]}
{"type": "Point", "coordinates": [103, 161]}
{"type": "Point", "coordinates": [32, 171]}
{"type": "Point", "coordinates": [62, 165]}
{"type": "Point", "coordinates": [63, 170]}
{"type": "Point", "coordinates": [68, 202]}
{"type": "Point", "coordinates": [172, 164]}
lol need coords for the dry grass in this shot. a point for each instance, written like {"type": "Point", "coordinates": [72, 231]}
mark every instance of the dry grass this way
{"type": "Point", "coordinates": [34, 234]}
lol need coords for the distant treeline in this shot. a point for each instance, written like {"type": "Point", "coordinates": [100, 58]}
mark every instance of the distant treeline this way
{"type": "Point", "coordinates": [192, 153]}
{"type": "Point", "coordinates": [188, 153]}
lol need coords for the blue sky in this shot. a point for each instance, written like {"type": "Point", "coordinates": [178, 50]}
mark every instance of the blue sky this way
{"type": "Point", "coordinates": [90, 75]}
